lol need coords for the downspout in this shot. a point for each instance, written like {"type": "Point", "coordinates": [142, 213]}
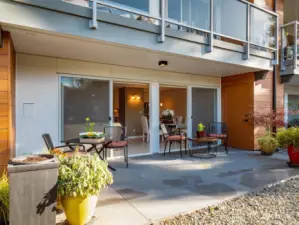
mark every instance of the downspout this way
{"type": "Point", "coordinates": [275, 67]}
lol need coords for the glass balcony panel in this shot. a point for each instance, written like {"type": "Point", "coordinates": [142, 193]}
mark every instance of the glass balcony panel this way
{"type": "Point", "coordinates": [195, 13]}
{"type": "Point", "coordinates": [263, 28]}
{"type": "Point", "coordinates": [142, 5]}
{"type": "Point", "coordinates": [230, 18]}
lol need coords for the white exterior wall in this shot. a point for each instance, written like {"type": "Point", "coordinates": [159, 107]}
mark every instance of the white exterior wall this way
{"type": "Point", "coordinates": [37, 82]}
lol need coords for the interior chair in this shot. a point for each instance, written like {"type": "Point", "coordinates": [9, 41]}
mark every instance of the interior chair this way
{"type": "Point", "coordinates": [145, 129]}
{"type": "Point", "coordinates": [219, 130]}
{"type": "Point", "coordinates": [118, 140]}
{"type": "Point", "coordinates": [173, 137]}
{"type": "Point", "coordinates": [48, 141]}
{"type": "Point", "coordinates": [178, 119]}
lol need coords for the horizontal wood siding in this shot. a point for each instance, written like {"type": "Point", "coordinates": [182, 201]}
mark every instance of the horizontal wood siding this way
{"type": "Point", "coordinates": [7, 101]}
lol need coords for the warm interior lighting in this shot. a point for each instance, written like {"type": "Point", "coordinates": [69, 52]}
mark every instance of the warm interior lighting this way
{"type": "Point", "coordinates": [135, 97]}
{"type": "Point", "coordinates": [163, 63]}
{"type": "Point", "coordinates": [161, 104]}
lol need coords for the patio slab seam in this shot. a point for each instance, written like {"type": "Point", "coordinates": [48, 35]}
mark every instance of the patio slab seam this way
{"type": "Point", "coordinates": [132, 205]}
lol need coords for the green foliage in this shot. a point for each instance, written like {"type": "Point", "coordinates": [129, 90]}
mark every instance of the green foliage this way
{"type": "Point", "coordinates": [200, 127]}
{"type": "Point", "coordinates": [4, 197]}
{"type": "Point", "coordinates": [286, 137]}
{"type": "Point", "coordinates": [82, 175]}
{"type": "Point", "coordinates": [89, 126]}
{"type": "Point", "coordinates": [268, 143]}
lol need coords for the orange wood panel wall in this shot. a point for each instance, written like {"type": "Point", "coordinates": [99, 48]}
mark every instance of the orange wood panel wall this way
{"type": "Point", "coordinates": [7, 101]}
{"type": "Point", "coordinates": [237, 102]}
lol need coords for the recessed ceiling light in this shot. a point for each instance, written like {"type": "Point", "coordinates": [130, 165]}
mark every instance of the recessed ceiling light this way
{"type": "Point", "coordinates": [163, 63]}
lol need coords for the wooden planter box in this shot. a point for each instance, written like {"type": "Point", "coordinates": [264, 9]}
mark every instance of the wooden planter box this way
{"type": "Point", "coordinates": [33, 192]}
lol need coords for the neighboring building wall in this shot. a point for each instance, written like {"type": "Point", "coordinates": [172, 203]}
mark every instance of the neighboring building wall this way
{"type": "Point", "coordinates": [37, 82]}
{"type": "Point", "coordinates": [7, 101]}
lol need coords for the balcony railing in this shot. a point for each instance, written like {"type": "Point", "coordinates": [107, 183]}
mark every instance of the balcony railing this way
{"type": "Point", "coordinates": [289, 45]}
{"type": "Point", "coordinates": [234, 21]}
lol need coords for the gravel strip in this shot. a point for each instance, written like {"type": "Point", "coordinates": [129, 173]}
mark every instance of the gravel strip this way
{"type": "Point", "coordinates": [278, 204]}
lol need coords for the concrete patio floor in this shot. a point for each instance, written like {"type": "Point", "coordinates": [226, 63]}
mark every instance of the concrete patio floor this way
{"type": "Point", "coordinates": [157, 186]}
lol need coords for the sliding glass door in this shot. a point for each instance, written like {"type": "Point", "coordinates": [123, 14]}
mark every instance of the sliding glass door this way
{"type": "Point", "coordinates": [204, 107]}
{"type": "Point", "coordinates": [82, 98]}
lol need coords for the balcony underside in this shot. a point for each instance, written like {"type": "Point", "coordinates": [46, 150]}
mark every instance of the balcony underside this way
{"type": "Point", "coordinates": [62, 47]}
{"type": "Point", "coordinates": [122, 44]}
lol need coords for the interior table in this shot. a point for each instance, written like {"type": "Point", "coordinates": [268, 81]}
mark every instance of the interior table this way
{"type": "Point", "coordinates": [197, 152]}
{"type": "Point", "coordinates": [93, 146]}
{"type": "Point", "coordinates": [179, 127]}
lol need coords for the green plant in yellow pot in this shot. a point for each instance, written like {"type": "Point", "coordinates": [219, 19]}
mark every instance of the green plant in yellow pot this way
{"type": "Point", "coordinates": [268, 144]}
{"type": "Point", "coordinates": [80, 179]}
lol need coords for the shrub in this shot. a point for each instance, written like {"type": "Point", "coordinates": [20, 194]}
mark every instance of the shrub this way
{"type": "Point", "coordinates": [4, 198]}
{"type": "Point", "coordinates": [268, 143]}
{"type": "Point", "coordinates": [82, 175]}
{"type": "Point", "coordinates": [286, 137]}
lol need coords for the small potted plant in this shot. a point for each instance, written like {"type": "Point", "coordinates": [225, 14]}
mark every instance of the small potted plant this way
{"type": "Point", "coordinates": [268, 144]}
{"type": "Point", "coordinates": [201, 130]}
{"type": "Point", "coordinates": [289, 138]}
{"type": "Point", "coordinates": [167, 116]}
{"type": "Point", "coordinates": [90, 134]}
{"type": "Point", "coordinates": [80, 179]}
{"type": "Point", "coordinates": [4, 199]}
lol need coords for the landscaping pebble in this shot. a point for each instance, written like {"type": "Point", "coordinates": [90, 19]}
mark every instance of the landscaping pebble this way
{"type": "Point", "coordinates": [277, 205]}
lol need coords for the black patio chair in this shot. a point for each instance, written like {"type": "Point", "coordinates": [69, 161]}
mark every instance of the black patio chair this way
{"type": "Point", "coordinates": [173, 137]}
{"type": "Point", "coordinates": [118, 137]}
{"type": "Point", "coordinates": [219, 130]}
{"type": "Point", "coordinates": [48, 141]}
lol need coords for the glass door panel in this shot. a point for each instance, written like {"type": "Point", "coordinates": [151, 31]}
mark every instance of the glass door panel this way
{"type": "Point", "coordinates": [204, 107]}
{"type": "Point", "coordinates": [82, 98]}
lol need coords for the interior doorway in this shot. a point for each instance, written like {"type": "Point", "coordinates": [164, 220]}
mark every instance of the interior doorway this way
{"type": "Point", "coordinates": [131, 109]}
{"type": "Point", "coordinates": [173, 100]}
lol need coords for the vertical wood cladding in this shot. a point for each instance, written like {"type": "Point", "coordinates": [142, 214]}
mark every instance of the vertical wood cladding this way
{"type": "Point", "coordinates": [7, 101]}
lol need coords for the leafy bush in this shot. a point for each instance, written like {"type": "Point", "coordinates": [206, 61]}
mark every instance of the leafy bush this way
{"type": "Point", "coordinates": [4, 198]}
{"type": "Point", "coordinates": [286, 137]}
{"type": "Point", "coordinates": [82, 175]}
{"type": "Point", "coordinates": [268, 143]}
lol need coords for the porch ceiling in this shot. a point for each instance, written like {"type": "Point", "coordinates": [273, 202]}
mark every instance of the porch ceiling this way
{"type": "Point", "coordinates": [37, 43]}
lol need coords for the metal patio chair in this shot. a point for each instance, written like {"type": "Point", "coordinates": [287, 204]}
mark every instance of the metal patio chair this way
{"type": "Point", "coordinates": [173, 137]}
{"type": "Point", "coordinates": [219, 130]}
{"type": "Point", "coordinates": [48, 141]}
{"type": "Point", "coordinates": [118, 137]}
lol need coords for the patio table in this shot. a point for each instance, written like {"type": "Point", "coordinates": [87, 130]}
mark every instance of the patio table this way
{"type": "Point", "coordinates": [195, 143]}
{"type": "Point", "coordinates": [70, 143]}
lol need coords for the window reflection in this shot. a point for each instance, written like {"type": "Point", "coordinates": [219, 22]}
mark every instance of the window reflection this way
{"type": "Point", "coordinates": [230, 18]}
{"type": "Point", "coordinates": [263, 28]}
{"type": "Point", "coordinates": [194, 13]}
{"type": "Point", "coordinates": [136, 4]}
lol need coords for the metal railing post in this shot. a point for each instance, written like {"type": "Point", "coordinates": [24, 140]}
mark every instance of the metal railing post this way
{"type": "Point", "coordinates": [211, 36]}
{"type": "Point", "coordinates": [161, 38]}
{"type": "Point", "coordinates": [248, 31]}
{"type": "Point", "coordinates": [93, 23]}
{"type": "Point", "coordinates": [295, 45]}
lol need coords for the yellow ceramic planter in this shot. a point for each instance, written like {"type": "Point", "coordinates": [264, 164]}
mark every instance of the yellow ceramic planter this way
{"type": "Point", "coordinates": [79, 210]}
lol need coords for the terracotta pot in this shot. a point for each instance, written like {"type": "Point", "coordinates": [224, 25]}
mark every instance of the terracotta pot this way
{"type": "Point", "coordinates": [200, 134]}
{"type": "Point", "coordinates": [293, 155]}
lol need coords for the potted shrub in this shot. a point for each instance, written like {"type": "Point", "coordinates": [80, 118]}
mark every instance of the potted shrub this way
{"type": "Point", "coordinates": [90, 134]}
{"type": "Point", "coordinates": [80, 179]}
{"type": "Point", "coordinates": [268, 144]}
{"type": "Point", "coordinates": [289, 138]}
{"type": "Point", "coordinates": [4, 199]}
{"type": "Point", "coordinates": [201, 130]}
